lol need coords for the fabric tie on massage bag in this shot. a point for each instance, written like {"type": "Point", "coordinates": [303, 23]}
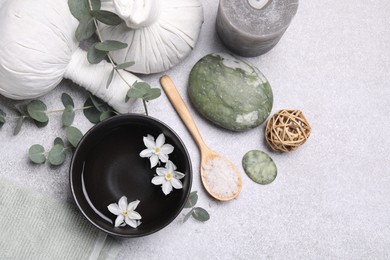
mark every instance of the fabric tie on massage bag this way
{"type": "Point", "coordinates": [33, 226]}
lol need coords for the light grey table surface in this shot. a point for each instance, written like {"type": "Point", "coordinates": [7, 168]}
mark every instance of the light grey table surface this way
{"type": "Point", "coordinates": [331, 199]}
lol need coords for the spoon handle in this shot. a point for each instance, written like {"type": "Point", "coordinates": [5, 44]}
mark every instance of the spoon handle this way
{"type": "Point", "coordinates": [182, 110]}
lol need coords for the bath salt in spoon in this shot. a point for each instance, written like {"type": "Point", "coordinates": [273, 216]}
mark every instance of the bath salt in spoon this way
{"type": "Point", "coordinates": [220, 177]}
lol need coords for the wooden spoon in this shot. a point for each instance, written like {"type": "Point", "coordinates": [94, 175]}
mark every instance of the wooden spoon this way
{"type": "Point", "coordinates": [206, 153]}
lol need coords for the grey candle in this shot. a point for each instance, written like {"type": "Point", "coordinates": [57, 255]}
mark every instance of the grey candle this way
{"type": "Point", "coordinates": [253, 27]}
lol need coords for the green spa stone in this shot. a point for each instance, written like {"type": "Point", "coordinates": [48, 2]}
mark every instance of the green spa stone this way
{"type": "Point", "coordinates": [230, 92]}
{"type": "Point", "coordinates": [259, 167]}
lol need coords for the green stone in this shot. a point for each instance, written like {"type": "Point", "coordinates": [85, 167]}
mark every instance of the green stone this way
{"type": "Point", "coordinates": [230, 92]}
{"type": "Point", "coordinates": [259, 167]}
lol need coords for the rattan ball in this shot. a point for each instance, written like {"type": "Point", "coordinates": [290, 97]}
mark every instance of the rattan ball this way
{"type": "Point", "coordinates": [287, 130]}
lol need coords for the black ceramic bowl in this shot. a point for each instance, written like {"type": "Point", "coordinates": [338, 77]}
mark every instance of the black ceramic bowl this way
{"type": "Point", "coordinates": [106, 166]}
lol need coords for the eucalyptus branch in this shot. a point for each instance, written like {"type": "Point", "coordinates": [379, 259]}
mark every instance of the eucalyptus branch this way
{"type": "Point", "coordinates": [99, 35]}
{"type": "Point", "coordinates": [62, 110]}
{"type": "Point", "coordinates": [145, 107]}
{"type": "Point", "coordinates": [197, 213]}
{"type": "Point", "coordinates": [15, 117]}
{"type": "Point", "coordinates": [100, 50]}
{"type": "Point", "coordinates": [114, 66]}
{"type": "Point", "coordinates": [57, 154]}
{"type": "Point", "coordinates": [94, 109]}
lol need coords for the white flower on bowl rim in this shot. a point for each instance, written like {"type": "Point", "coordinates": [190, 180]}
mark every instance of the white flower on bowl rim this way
{"type": "Point", "coordinates": [126, 213]}
{"type": "Point", "coordinates": [168, 177]}
{"type": "Point", "coordinates": [156, 151]}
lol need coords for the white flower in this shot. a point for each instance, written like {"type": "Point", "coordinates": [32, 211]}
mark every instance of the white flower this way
{"type": "Point", "coordinates": [156, 150]}
{"type": "Point", "coordinates": [125, 213]}
{"type": "Point", "coordinates": [168, 177]}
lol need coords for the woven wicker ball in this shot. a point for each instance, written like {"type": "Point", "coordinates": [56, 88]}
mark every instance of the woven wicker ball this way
{"type": "Point", "coordinates": [287, 130]}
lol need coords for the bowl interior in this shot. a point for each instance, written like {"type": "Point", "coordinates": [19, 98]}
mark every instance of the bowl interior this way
{"type": "Point", "coordinates": [106, 166]}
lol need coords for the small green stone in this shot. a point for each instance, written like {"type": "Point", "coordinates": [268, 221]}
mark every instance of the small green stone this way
{"type": "Point", "coordinates": [230, 92]}
{"type": "Point", "coordinates": [259, 166]}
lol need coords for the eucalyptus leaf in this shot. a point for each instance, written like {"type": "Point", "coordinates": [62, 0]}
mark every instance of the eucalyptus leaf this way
{"type": "Point", "coordinates": [110, 45]}
{"type": "Point", "coordinates": [2, 117]}
{"type": "Point", "coordinates": [59, 140]}
{"type": "Point", "coordinates": [144, 91]}
{"type": "Point", "coordinates": [139, 90]}
{"type": "Point", "coordinates": [192, 200]}
{"type": "Point", "coordinates": [105, 115]}
{"type": "Point", "coordinates": [125, 65]}
{"type": "Point", "coordinates": [141, 85]}
{"type": "Point", "coordinates": [41, 124]}
{"type": "Point", "coordinates": [188, 215]}
{"type": "Point", "coordinates": [67, 100]}
{"type": "Point", "coordinates": [19, 124]}
{"type": "Point", "coordinates": [99, 104]}
{"type": "Point", "coordinates": [85, 29]}
{"type": "Point", "coordinates": [36, 153]}
{"type": "Point", "coordinates": [57, 155]}
{"type": "Point", "coordinates": [73, 135]}
{"type": "Point", "coordinates": [110, 78]}
{"type": "Point", "coordinates": [135, 93]}
{"type": "Point", "coordinates": [200, 214]}
{"type": "Point", "coordinates": [95, 56]}
{"type": "Point", "coordinates": [79, 8]}
{"type": "Point", "coordinates": [107, 17]}
{"type": "Point", "coordinates": [153, 93]}
{"type": "Point", "coordinates": [96, 4]}
{"type": "Point", "coordinates": [37, 110]}
{"type": "Point", "coordinates": [20, 107]}
{"type": "Point", "coordinates": [68, 116]}
{"type": "Point", "coordinates": [90, 112]}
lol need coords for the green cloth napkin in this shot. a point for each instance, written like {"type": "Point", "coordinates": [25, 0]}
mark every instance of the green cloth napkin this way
{"type": "Point", "coordinates": [33, 226]}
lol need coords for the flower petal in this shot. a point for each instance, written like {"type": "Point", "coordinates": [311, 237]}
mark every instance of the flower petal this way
{"type": "Point", "coordinates": [178, 175]}
{"type": "Point", "coordinates": [160, 140]}
{"type": "Point", "coordinates": [163, 157]}
{"type": "Point", "coordinates": [134, 215]}
{"type": "Point", "coordinates": [176, 183]}
{"type": "Point", "coordinates": [167, 148]}
{"type": "Point", "coordinates": [146, 153]}
{"type": "Point", "coordinates": [123, 203]}
{"type": "Point", "coordinates": [153, 160]}
{"type": "Point", "coordinates": [158, 180]}
{"type": "Point", "coordinates": [119, 220]}
{"type": "Point", "coordinates": [133, 205]}
{"type": "Point", "coordinates": [170, 166]}
{"type": "Point", "coordinates": [130, 222]}
{"type": "Point", "coordinates": [149, 143]}
{"type": "Point", "coordinates": [167, 187]}
{"type": "Point", "coordinates": [114, 209]}
{"type": "Point", "coordinates": [161, 171]}
{"type": "Point", "coordinates": [150, 137]}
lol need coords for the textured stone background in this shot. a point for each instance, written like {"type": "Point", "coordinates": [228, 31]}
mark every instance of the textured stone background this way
{"type": "Point", "coordinates": [331, 198]}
